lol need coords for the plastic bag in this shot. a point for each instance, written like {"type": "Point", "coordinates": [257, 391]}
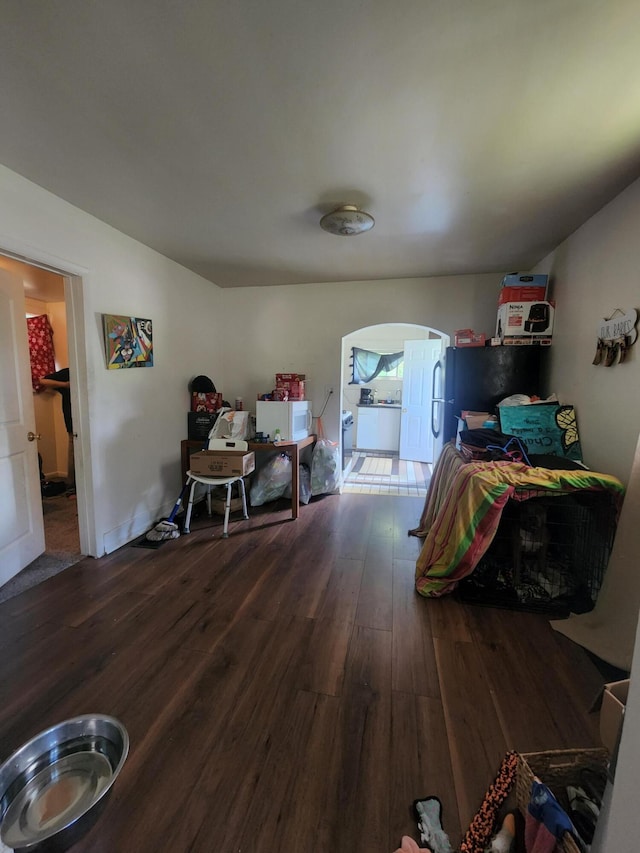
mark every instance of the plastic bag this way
{"type": "Point", "coordinates": [304, 485]}
{"type": "Point", "coordinates": [232, 424]}
{"type": "Point", "coordinates": [325, 465]}
{"type": "Point", "coordinates": [271, 481]}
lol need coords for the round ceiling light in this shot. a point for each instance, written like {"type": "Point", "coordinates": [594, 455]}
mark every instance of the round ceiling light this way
{"type": "Point", "coordinates": [347, 220]}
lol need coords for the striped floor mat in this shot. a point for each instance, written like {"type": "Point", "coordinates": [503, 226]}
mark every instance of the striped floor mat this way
{"type": "Point", "coordinates": [385, 474]}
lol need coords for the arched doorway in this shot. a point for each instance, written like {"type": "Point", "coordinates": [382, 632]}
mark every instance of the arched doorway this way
{"type": "Point", "coordinates": [389, 446]}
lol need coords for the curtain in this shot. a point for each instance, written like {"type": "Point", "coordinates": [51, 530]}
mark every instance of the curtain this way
{"type": "Point", "coordinates": [40, 349]}
{"type": "Point", "coordinates": [366, 365]}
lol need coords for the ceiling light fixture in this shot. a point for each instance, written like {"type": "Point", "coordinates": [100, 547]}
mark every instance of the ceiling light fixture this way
{"type": "Point", "coordinates": [347, 221]}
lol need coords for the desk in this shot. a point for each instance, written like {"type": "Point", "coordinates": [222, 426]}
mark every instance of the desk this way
{"type": "Point", "coordinates": [189, 446]}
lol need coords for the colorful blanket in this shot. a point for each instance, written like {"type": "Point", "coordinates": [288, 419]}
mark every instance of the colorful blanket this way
{"type": "Point", "coordinates": [469, 514]}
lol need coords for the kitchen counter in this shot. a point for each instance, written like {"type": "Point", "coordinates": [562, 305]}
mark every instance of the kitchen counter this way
{"type": "Point", "coordinates": [380, 406]}
{"type": "Point", "coordinates": [378, 427]}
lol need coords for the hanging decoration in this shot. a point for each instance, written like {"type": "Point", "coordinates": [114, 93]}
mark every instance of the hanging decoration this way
{"type": "Point", "coordinates": [41, 352]}
{"type": "Point", "coordinates": [616, 334]}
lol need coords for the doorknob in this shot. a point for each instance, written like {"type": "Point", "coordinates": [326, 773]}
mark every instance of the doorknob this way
{"type": "Point", "coordinates": [33, 436]}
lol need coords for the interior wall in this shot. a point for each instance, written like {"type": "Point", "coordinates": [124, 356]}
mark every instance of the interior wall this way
{"type": "Point", "coordinates": [593, 272]}
{"type": "Point", "coordinates": [135, 418]}
{"type": "Point", "coordinates": [281, 329]}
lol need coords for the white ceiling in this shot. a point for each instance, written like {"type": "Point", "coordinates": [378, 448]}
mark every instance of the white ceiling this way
{"type": "Point", "coordinates": [478, 133]}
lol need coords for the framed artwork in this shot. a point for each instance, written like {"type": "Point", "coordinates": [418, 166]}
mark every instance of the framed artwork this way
{"type": "Point", "coordinates": [128, 341]}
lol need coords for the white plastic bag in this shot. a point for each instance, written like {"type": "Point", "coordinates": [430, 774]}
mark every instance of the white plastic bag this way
{"type": "Point", "coordinates": [325, 465]}
{"type": "Point", "coordinates": [271, 481]}
{"type": "Point", "coordinates": [232, 424]}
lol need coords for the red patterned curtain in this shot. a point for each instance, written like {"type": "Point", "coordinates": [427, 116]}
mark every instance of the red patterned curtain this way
{"type": "Point", "coordinates": [40, 349]}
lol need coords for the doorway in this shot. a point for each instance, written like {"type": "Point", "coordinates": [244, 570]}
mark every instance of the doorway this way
{"type": "Point", "coordinates": [44, 293]}
{"type": "Point", "coordinates": [391, 440]}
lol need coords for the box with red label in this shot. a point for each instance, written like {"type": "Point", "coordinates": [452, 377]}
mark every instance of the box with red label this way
{"type": "Point", "coordinates": [468, 338]}
{"type": "Point", "coordinates": [293, 388]}
{"type": "Point", "coordinates": [523, 288]}
{"type": "Point", "coordinates": [205, 401]}
{"type": "Point", "coordinates": [287, 377]}
{"type": "Point", "coordinates": [525, 322]}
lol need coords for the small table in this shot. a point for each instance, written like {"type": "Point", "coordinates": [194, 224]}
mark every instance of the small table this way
{"type": "Point", "coordinates": [189, 446]}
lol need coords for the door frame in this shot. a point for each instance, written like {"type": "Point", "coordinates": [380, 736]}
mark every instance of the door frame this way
{"type": "Point", "coordinates": [444, 339]}
{"type": "Point", "coordinates": [73, 276]}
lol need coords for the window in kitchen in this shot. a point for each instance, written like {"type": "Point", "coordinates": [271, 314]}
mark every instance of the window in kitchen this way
{"type": "Point", "coordinates": [367, 365]}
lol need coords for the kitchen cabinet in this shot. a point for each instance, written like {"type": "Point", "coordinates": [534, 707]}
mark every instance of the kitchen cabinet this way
{"type": "Point", "coordinates": [378, 428]}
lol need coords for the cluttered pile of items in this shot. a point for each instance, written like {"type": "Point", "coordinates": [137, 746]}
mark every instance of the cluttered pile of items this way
{"type": "Point", "coordinates": [525, 314]}
{"type": "Point", "coordinates": [528, 526]}
{"type": "Point", "coordinates": [539, 802]}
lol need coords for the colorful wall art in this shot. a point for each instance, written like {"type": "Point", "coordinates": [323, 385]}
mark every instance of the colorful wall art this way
{"type": "Point", "coordinates": [128, 341]}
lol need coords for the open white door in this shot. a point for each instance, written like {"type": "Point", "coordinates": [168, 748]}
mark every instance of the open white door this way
{"type": "Point", "coordinates": [21, 522]}
{"type": "Point", "coordinates": [416, 438]}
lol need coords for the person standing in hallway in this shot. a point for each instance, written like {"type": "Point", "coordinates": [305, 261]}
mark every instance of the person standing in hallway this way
{"type": "Point", "coordinates": [60, 382]}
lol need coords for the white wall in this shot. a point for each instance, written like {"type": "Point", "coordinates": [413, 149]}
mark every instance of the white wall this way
{"type": "Point", "coordinates": [136, 418]}
{"type": "Point", "coordinates": [278, 329]}
{"type": "Point", "coordinates": [593, 272]}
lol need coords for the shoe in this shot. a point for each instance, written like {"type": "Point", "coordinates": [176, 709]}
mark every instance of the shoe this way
{"type": "Point", "coordinates": [593, 781]}
{"type": "Point", "coordinates": [583, 811]}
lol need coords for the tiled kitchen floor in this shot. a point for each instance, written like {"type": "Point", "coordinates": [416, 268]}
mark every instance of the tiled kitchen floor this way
{"type": "Point", "coordinates": [384, 474]}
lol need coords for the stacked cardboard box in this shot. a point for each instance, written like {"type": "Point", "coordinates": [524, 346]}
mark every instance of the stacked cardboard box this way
{"type": "Point", "coordinates": [225, 463]}
{"type": "Point", "coordinates": [525, 315]}
{"type": "Point", "coordinates": [205, 401]}
{"type": "Point", "coordinates": [205, 406]}
{"type": "Point", "coordinates": [289, 386]}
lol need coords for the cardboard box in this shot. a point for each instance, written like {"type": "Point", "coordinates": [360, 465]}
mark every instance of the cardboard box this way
{"type": "Point", "coordinates": [205, 401]}
{"type": "Point", "coordinates": [199, 425]}
{"type": "Point", "coordinates": [223, 463]}
{"type": "Point", "coordinates": [517, 287]}
{"type": "Point", "coordinates": [218, 505]}
{"type": "Point", "coordinates": [476, 420]}
{"type": "Point", "coordinates": [614, 700]}
{"type": "Point", "coordinates": [516, 279]}
{"type": "Point", "coordinates": [525, 322]}
{"type": "Point", "coordinates": [468, 338]}
{"type": "Point", "coordinates": [289, 376]}
{"type": "Point", "coordinates": [522, 294]}
{"type": "Point", "coordinates": [289, 389]}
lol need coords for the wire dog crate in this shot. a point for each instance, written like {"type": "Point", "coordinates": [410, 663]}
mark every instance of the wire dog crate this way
{"type": "Point", "coordinates": [549, 554]}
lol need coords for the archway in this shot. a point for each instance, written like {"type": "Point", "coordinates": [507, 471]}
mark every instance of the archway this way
{"type": "Point", "coordinates": [393, 423]}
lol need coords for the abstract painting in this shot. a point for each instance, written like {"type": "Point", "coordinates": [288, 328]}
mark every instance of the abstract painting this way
{"type": "Point", "coordinates": [128, 341]}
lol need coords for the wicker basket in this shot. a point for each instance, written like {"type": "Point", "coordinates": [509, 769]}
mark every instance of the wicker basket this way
{"type": "Point", "coordinates": [557, 769]}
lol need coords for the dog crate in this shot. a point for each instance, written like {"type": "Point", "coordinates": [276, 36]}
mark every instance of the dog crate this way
{"type": "Point", "coordinates": [549, 554]}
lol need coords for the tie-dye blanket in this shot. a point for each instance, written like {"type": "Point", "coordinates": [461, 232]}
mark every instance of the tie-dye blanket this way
{"type": "Point", "coordinates": [470, 512]}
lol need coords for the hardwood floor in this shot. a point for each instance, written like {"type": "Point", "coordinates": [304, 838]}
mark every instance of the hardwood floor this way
{"type": "Point", "coordinates": [286, 689]}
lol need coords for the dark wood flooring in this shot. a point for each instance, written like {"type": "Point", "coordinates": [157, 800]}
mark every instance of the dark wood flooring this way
{"type": "Point", "coordinates": [286, 689]}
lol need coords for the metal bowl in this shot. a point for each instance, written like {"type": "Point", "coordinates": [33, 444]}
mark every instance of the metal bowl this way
{"type": "Point", "coordinates": [53, 788]}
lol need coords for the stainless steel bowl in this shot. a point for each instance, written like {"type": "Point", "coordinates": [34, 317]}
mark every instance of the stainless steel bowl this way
{"type": "Point", "coordinates": [53, 788]}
